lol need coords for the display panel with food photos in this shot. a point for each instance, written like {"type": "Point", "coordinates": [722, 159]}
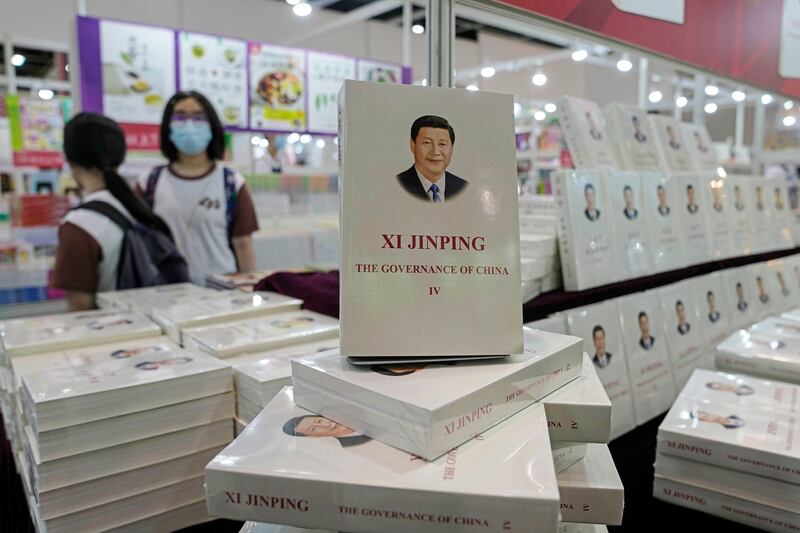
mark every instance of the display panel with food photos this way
{"type": "Point", "coordinates": [326, 74]}
{"type": "Point", "coordinates": [277, 87]}
{"type": "Point", "coordinates": [215, 67]}
{"type": "Point", "coordinates": [379, 72]}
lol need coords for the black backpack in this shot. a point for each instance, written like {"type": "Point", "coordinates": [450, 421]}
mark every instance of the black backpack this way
{"type": "Point", "coordinates": [147, 257]}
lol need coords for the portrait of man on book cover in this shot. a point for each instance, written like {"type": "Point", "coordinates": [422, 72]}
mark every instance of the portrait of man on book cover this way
{"type": "Point", "coordinates": [315, 426]}
{"type": "Point", "coordinates": [638, 134]}
{"type": "Point", "coordinates": [663, 208]}
{"type": "Point", "coordinates": [672, 139]}
{"type": "Point", "coordinates": [691, 204]}
{"type": "Point", "coordinates": [432, 144]}
{"type": "Point", "coordinates": [646, 340]}
{"type": "Point", "coordinates": [591, 211]}
{"type": "Point", "coordinates": [680, 313]}
{"type": "Point", "coordinates": [713, 312]}
{"type": "Point", "coordinates": [601, 357]}
{"type": "Point", "coordinates": [728, 422]}
{"type": "Point", "coordinates": [630, 210]}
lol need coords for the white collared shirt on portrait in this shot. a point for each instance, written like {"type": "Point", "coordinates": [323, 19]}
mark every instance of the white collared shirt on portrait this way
{"type": "Point", "coordinates": [426, 184]}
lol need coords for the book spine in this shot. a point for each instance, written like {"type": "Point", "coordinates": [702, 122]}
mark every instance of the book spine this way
{"type": "Point", "coordinates": [571, 135]}
{"type": "Point", "coordinates": [566, 454]}
{"type": "Point", "coordinates": [345, 223]}
{"type": "Point", "coordinates": [591, 505]}
{"type": "Point", "coordinates": [767, 367]}
{"type": "Point", "coordinates": [729, 455]}
{"type": "Point", "coordinates": [366, 509]}
{"type": "Point", "coordinates": [615, 135]}
{"type": "Point", "coordinates": [578, 423]}
{"type": "Point", "coordinates": [724, 506]}
{"type": "Point", "coordinates": [569, 268]}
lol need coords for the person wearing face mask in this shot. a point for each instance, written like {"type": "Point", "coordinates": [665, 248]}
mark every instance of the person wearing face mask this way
{"type": "Point", "coordinates": [207, 206]}
{"type": "Point", "coordinates": [90, 243]}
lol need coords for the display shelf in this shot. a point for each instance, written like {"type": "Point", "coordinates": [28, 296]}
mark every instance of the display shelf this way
{"type": "Point", "coordinates": [559, 300]}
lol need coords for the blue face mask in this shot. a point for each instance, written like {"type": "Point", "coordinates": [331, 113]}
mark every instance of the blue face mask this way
{"type": "Point", "coordinates": [190, 137]}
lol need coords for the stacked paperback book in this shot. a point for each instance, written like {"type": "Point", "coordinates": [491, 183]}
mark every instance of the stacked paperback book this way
{"type": "Point", "coordinates": [728, 447]}
{"type": "Point", "coordinates": [145, 300]}
{"type": "Point", "coordinates": [540, 265]}
{"type": "Point", "coordinates": [472, 425]}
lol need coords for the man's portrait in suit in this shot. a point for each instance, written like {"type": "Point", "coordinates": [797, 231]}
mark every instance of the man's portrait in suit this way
{"type": "Point", "coordinates": [737, 198]}
{"type": "Point", "coordinates": [601, 357]}
{"type": "Point", "coordinates": [672, 139]}
{"type": "Point", "coordinates": [759, 198]}
{"type": "Point", "coordinates": [716, 195]}
{"type": "Point", "coordinates": [591, 211]}
{"type": "Point", "coordinates": [741, 303]}
{"type": "Point", "coordinates": [691, 204]}
{"type": "Point", "coordinates": [663, 208]}
{"type": "Point", "coordinates": [738, 390]}
{"type": "Point", "coordinates": [701, 146]}
{"type": "Point", "coordinates": [637, 130]}
{"type": "Point", "coordinates": [432, 142]}
{"type": "Point", "coordinates": [315, 426]}
{"type": "Point", "coordinates": [646, 341]}
{"type": "Point", "coordinates": [630, 210]}
{"type": "Point", "coordinates": [713, 312]}
{"type": "Point", "coordinates": [680, 312]}
{"type": "Point", "coordinates": [763, 297]}
{"type": "Point", "coordinates": [728, 422]}
{"type": "Point", "coordinates": [782, 283]}
{"type": "Point", "coordinates": [778, 199]}
{"type": "Point", "coordinates": [593, 130]}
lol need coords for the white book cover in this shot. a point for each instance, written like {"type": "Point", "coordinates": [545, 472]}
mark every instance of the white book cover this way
{"type": "Point", "coordinates": [538, 225]}
{"type": "Point", "coordinates": [75, 498]}
{"type": "Point", "coordinates": [63, 397]}
{"type": "Point", "coordinates": [747, 438]}
{"type": "Point", "coordinates": [739, 510]}
{"type": "Point", "coordinates": [675, 156]}
{"type": "Point", "coordinates": [172, 520]}
{"type": "Point", "coordinates": [556, 323]}
{"type": "Point", "coordinates": [591, 489]}
{"type": "Point", "coordinates": [260, 334]}
{"type": "Point", "coordinates": [537, 204]}
{"type": "Point", "coordinates": [224, 307]}
{"type": "Point", "coordinates": [792, 266]}
{"type": "Point", "coordinates": [631, 240]}
{"type": "Point", "coordinates": [784, 292]}
{"type": "Point", "coordinates": [701, 149]}
{"type": "Point", "coordinates": [634, 135]}
{"type": "Point", "coordinates": [293, 467]}
{"type": "Point", "coordinates": [566, 454]}
{"type": "Point", "coordinates": [538, 268]}
{"type": "Point", "coordinates": [715, 312]}
{"type": "Point", "coordinates": [769, 356]}
{"type": "Point", "coordinates": [238, 280]}
{"type": "Point", "coordinates": [567, 527]}
{"type": "Point", "coordinates": [130, 299]}
{"type": "Point", "coordinates": [793, 314]}
{"type": "Point", "coordinates": [260, 527]}
{"type": "Point", "coordinates": [693, 208]}
{"type": "Point", "coordinates": [776, 196]}
{"type": "Point", "coordinates": [742, 214]}
{"type": "Point", "coordinates": [98, 434]}
{"type": "Point", "coordinates": [418, 242]}
{"type": "Point", "coordinates": [585, 241]}
{"type": "Point", "coordinates": [61, 473]}
{"type": "Point", "coordinates": [777, 326]}
{"type": "Point", "coordinates": [90, 355]}
{"type": "Point", "coordinates": [598, 326]}
{"type": "Point", "coordinates": [538, 246]}
{"type": "Point", "coordinates": [719, 216]}
{"type": "Point", "coordinates": [29, 336]}
{"type": "Point", "coordinates": [741, 294]}
{"type": "Point", "coordinates": [765, 236]}
{"type": "Point", "coordinates": [764, 297]}
{"type": "Point", "coordinates": [682, 330]}
{"type": "Point", "coordinates": [749, 487]}
{"type": "Point", "coordinates": [652, 382]}
{"type": "Point", "coordinates": [663, 216]}
{"type": "Point", "coordinates": [584, 131]}
{"type": "Point", "coordinates": [580, 411]}
{"type": "Point", "coordinates": [463, 399]}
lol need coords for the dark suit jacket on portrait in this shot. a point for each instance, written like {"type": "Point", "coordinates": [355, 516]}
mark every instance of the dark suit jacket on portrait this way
{"type": "Point", "coordinates": [453, 185]}
{"type": "Point", "coordinates": [596, 360]}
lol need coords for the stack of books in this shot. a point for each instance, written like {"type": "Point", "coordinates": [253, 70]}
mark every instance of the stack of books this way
{"type": "Point", "coordinates": [145, 300]}
{"type": "Point", "coordinates": [770, 349]}
{"type": "Point", "coordinates": [243, 281]}
{"type": "Point", "coordinates": [260, 334]}
{"type": "Point", "coordinates": [260, 527]}
{"type": "Point", "coordinates": [728, 447]}
{"type": "Point", "coordinates": [113, 439]}
{"type": "Point", "coordinates": [540, 265]}
{"type": "Point", "coordinates": [227, 306]}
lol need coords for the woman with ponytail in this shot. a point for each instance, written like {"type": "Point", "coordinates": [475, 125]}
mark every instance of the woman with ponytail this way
{"type": "Point", "coordinates": [89, 243]}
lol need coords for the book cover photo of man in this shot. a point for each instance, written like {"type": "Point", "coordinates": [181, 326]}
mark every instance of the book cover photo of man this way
{"type": "Point", "coordinates": [680, 312]}
{"type": "Point", "coordinates": [593, 130]}
{"type": "Point", "coordinates": [782, 283]}
{"type": "Point", "coordinates": [737, 198]}
{"type": "Point", "coordinates": [315, 426]}
{"type": "Point", "coordinates": [763, 297]}
{"type": "Point", "coordinates": [716, 194]}
{"type": "Point", "coordinates": [432, 144]}
{"type": "Point", "coordinates": [646, 341]}
{"type": "Point", "coordinates": [591, 211]}
{"type": "Point", "coordinates": [663, 208]}
{"type": "Point", "coordinates": [738, 390]}
{"type": "Point", "coordinates": [638, 134]}
{"type": "Point", "coordinates": [601, 357]}
{"type": "Point", "coordinates": [713, 312]}
{"type": "Point", "coordinates": [741, 303]}
{"type": "Point", "coordinates": [672, 139]}
{"type": "Point", "coordinates": [759, 198]}
{"type": "Point", "coordinates": [779, 205]}
{"type": "Point", "coordinates": [728, 422]}
{"type": "Point", "coordinates": [630, 210]}
{"type": "Point", "coordinates": [691, 204]}
{"type": "Point", "coordinates": [701, 146]}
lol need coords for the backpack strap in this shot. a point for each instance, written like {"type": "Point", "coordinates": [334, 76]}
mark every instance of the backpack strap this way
{"type": "Point", "coordinates": [152, 181]}
{"type": "Point", "coordinates": [110, 212]}
{"type": "Point", "coordinates": [230, 198]}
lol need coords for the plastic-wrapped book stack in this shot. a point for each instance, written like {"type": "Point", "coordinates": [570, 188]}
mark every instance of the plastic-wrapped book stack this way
{"type": "Point", "coordinates": [539, 260]}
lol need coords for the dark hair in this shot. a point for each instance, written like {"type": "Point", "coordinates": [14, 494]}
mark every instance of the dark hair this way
{"type": "Point", "coordinates": [216, 148]}
{"type": "Point", "coordinates": [94, 141]}
{"type": "Point", "coordinates": [588, 186]}
{"type": "Point", "coordinates": [596, 329]}
{"type": "Point", "coordinates": [290, 425]}
{"type": "Point", "coordinates": [709, 293]}
{"type": "Point", "coordinates": [758, 279]}
{"type": "Point", "coordinates": [642, 314]}
{"type": "Point", "coordinates": [387, 370]}
{"type": "Point", "coordinates": [627, 188]}
{"type": "Point", "coordinates": [432, 121]}
{"type": "Point", "coordinates": [660, 188]}
{"type": "Point", "coordinates": [739, 286]}
{"type": "Point", "coordinates": [689, 187]}
{"type": "Point", "coordinates": [678, 303]}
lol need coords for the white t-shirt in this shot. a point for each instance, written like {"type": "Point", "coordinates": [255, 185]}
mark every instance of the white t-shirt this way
{"type": "Point", "coordinates": [107, 234]}
{"type": "Point", "coordinates": [195, 211]}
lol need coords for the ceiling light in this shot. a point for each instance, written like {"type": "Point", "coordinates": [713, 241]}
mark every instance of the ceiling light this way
{"type": "Point", "coordinates": [710, 107]}
{"type": "Point", "coordinates": [722, 174]}
{"type": "Point", "coordinates": [488, 72]}
{"type": "Point", "coordinates": [46, 94]}
{"type": "Point", "coordinates": [738, 96]}
{"type": "Point", "coordinates": [302, 9]}
{"type": "Point", "coordinates": [624, 64]}
{"type": "Point", "coordinates": [788, 104]}
{"type": "Point", "coordinates": [517, 109]}
{"type": "Point", "coordinates": [655, 97]}
{"type": "Point", "coordinates": [419, 29]}
{"type": "Point", "coordinates": [681, 101]}
{"type": "Point", "coordinates": [789, 121]}
{"type": "Point", "coordinates": [255, 141]}
{"type": "Point", "coordinates": [472, 87]}
{"type": "Point", "coordinates": [766, 99]}
{"type": "Point", "coordinates": [550, 107]}
{"type": "Point", "coordinates": [580, 55]}
{"type": "Point", "coordinates": [293, 138]}
{"type": "Point", "coordinates": [540, 115]}
{"type": "Point", "coordinates": [18, 60]}
{"type": "Point", "coordinates": [539, 79]}
{"type": "Point", "coordinates": [305, 138]}
{"type": "Point", "coordinates": [320, 143]}
{"type": "Point", "coordinates": [712, 90]}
